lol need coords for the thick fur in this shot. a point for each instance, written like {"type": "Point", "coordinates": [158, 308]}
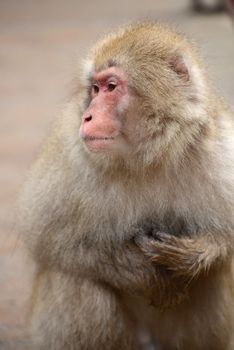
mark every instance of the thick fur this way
{"type": "Point", "coordinates": [142, 241]}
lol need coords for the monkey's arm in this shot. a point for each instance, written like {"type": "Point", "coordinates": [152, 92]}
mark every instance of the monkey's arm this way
{"type": "Point", "coordinates": [61, 234]}
{"type": "Point", "coordinates": [122, 266]}
{"type": "Point", "coordinates": [184, 256]}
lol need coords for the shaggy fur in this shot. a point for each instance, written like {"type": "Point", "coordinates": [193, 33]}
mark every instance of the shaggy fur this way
{"type": "Point", "coordinates": [143, 241]}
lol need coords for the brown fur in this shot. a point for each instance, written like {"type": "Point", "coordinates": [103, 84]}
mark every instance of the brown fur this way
{"type": "Point", "coordinates": [142, 241]}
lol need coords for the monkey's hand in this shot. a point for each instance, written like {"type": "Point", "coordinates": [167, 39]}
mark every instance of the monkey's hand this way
{"type": "Point", "coordinates": [178, 261]}
{"type": "Point", "coordinates": [182, 257]}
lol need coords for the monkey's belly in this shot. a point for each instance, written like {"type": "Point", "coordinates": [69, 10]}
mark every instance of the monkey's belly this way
{"type": "Point", "coordinates": [173, 328]}
{"type": "Point", "coordinates": [144, 316]}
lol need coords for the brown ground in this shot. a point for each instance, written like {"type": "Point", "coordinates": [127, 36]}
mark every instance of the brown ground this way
{"type": "Point", "coordinates": [39, 45]}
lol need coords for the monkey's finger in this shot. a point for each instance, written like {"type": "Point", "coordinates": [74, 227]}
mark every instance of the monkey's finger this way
{"type": "Point", "coordinates": [146, 245]}
{"type": "Point", "coordinates": [160, 236]}
{"type": "Point", "coordinates": [172, 240]}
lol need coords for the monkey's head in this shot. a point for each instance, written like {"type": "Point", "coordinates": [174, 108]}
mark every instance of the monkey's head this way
{"type": "Point", "coordinates": [146, 95]}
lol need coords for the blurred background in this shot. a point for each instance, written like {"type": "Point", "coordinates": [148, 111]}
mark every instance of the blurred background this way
{"type": "Point", "coordinates": [40, 43]}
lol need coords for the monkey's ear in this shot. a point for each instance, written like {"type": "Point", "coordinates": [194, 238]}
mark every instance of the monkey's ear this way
{"type": "Point", "coordinates": [178, 65]}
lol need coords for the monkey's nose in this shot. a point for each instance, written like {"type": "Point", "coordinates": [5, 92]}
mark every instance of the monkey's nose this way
{"type": "Point", "coordinates": [88, 119]}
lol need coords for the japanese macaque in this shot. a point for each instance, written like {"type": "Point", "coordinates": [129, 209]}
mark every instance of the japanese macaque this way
{"type": "Point", "coordinates": [128, 211]}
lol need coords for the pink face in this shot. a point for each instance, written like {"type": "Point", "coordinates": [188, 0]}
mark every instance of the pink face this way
{"type": "Point", "coordinates": [101, 127]}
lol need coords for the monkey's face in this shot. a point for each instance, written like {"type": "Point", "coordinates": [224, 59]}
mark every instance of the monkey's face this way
{"type": "Point", "coordinates": [102, 127]}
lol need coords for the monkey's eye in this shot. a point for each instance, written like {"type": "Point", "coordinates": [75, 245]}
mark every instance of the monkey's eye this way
{"type": "Point", "coordinates": [95, 88]}
{"type": "Point", "coordinates": [111, 86]}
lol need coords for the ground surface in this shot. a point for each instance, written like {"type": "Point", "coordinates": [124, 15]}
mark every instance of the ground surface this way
{"type": "Point", "coordinates": [39, 45]}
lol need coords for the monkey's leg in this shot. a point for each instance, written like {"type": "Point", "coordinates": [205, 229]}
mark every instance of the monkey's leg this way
{"type": "Point", "coordinates": [77, 315]}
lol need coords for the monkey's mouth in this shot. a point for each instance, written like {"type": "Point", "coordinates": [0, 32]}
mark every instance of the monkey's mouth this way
{"type": "Point", "coordinates": [94, 138]}
{"type": "Point", "coordinates": [98, 143]}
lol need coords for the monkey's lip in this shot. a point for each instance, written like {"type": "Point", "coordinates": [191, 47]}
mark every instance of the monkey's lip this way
{"type": "Point", "coordinates": [94, 138]}
{"type": "Point", "coordinates": [98, 143]}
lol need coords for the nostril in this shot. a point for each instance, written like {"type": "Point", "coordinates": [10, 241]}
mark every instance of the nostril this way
{"type": "Point", "coordinates": [89, 118]}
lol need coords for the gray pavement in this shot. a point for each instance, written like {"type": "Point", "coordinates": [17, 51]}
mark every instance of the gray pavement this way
{"type": "Point", "coordinates": [40, 42]}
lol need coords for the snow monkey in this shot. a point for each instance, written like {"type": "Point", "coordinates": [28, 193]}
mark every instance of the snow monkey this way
{"type": "Point", "coordinates": [128, 210]}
